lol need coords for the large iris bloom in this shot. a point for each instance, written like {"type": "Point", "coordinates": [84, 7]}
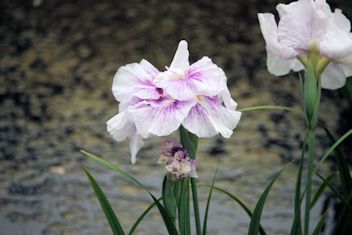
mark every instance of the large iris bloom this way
{"type": "Point", "coordinates": [154, 103]}
{"type": "Point", "coordinates": [308, 26]}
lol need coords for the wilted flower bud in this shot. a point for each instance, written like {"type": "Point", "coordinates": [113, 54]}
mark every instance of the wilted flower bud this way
{"type": "Point", "coordinates": [177, 160]}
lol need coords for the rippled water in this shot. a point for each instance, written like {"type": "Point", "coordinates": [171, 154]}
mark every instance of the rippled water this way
{"type": "Point", "coordinates": [57, 64]}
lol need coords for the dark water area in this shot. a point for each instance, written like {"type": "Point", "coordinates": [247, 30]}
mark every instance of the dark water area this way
{"type": "Point", "coordinates": [57, 62]}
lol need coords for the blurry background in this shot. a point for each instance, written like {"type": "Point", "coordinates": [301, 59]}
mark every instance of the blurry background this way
{"type": "Point", "coordinates": [57, 62]}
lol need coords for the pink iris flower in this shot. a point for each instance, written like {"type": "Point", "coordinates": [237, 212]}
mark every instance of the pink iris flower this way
{"type": "Point", "coordinates": [306, 26]}
{"type": "Point", "coordinates": [154, 103]}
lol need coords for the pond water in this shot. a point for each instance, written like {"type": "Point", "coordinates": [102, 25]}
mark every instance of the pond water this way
{"type": "Point", "coordinates": [57, 64]}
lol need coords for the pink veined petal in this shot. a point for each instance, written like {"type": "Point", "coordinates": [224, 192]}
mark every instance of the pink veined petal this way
{"type": "Point", "coordinates": [225, 93]}
{"type": "Point", "coordinates": [206, 76]}
{"type": "Point", "coordinates": [283, 9]}
{"type": "Point", "coordinates": [198, 122]}
{"type": "Point", "coordinates": [296, 27]}
{"type": "Point", "coordinates": [333, 77]}
{"type": "Point", "coordinates": [149, 68]}
{"type": "Point", "coordinates": [209, 118]}
{"type": "Point", "coordinates": [201, 78]}
{"type": "Point", "coordinates": [227, 99]}
{"type": "Point", "coordinates": [121, 127]}
{"type": "Point", "coordinates": [279, 66]}
{"type": "Point", "coordinates": [135, 80]}
{"type": "Point", "coordinates": [161, 117]}
{"type": "Point", "coordinates": [180, 61]}
{"type": "Point", "coordinates": [269, 30]}
{"type": "Point", "coordinates": [335, 43]}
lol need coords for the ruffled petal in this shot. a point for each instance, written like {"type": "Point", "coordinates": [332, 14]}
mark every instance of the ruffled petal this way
{"type": "Point", "coordinates": [225, 93]}
{"type": "Point", "coordinates": [341, 21]}
{"type": "Point", "coordinates": [180, 61]}
{"type": "Point", "coordinates": [135, 80]}
{"type": "Point", "coordinates": [333, 77]}
{"type": "Point", "coordinates": [296, 26]}
{"type": "Point", "coordinates": [335, 43]}
{"type": "Point", "coordinates": [201, 78]}
{"type": "Point", "coordinates": [161, 117]}
{"type": "Point", "coordinates": [346, 64]}
{"type": "Point", "coordinates": [269, 30]}
{"type": "Point", "coordinates": [121, 127]}
{"type": "Point", "coordinates": [209, 118]}
{"type": "Point", "coordinates": [136, 143]}
{"type": "Point", "coordinates": [279, 66]}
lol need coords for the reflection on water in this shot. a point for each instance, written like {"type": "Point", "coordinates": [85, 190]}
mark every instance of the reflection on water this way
{"type": "Point", "coordinates": [57, 64]}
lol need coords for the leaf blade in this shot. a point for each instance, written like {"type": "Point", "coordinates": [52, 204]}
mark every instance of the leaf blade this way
{"type": "Point", "coordinates": [255, 221]}
{"type": "Point", "coordinates": [108, 211]}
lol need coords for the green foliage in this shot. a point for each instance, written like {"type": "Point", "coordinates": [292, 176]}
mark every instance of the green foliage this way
{"type": "Point", "coordinates": [109, 212]}
{"type": "Point", "coordinates": [169, 200]}
{"type": "Point", "coordinates": [257, 213]}
{"type": "Point", "coordinates": [320, 224]}
{"type": "Point", "coordinates": [141, 217]}
{"type": "Point", "coordinates": [183, 213]}
{"type": "Point", "coordinates": [167, 220]}
{"type": "Point", "coordinates": [239, 201]}
{"type": "Point", "coordinates": [205, 222]}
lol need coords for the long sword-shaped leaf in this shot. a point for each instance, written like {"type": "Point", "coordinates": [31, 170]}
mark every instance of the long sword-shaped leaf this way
{"type": "Point", "coordinates": [257, 213]}
{"type": "Point", "coordinates": [239, 201]}
{"type": "Point", "coordinates": [342, 166]}
{"type": "Point", "coordinates": [332, 148]}
{"type": "Point", "coordinates": [141, 217]}
{"type": "Point", "coordinates": [167, 220]}
{"type": "Point", "coordinates": [205, 222]}
{"type": "Point", "coordinates": [109, 212]}
{"type": "Point", "coordinates": [296, 228]}
{"type": "Point", "coordinates": [184, 216]}
{"type": "Point", "coordinates": [321, 189]}
{"type": "Point", "coordinates": [320, 224]}
{"type": "Point", "coordinates": [169, 200]}
{"type": "Point", "coordinates": [336, 192]}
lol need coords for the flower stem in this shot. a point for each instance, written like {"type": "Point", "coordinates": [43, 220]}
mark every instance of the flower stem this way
{"type": "Point", "coordinates": [311, 156]}
{"type": "Point", "coordinates": [190, 142]}
{"type": "Point", "coordinates": [196, 206]}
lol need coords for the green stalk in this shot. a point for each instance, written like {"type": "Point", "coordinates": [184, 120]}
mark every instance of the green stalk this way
{"type": "Point", "coordinates": [311, 100]}
{"type": "Point", "coordinates": [190, 142]}
{"type": "Point", "coordinates": [196, 206]}
{"type": "Point", "coordinates": [311, 156]}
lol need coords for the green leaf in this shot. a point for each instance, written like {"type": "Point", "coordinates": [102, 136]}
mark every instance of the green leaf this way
{"type": "Point", "coordinates": [184, 216]}
{"type": "Point", "coordinates": [332, 148]}
{"type": "Point", "coordinates": [189, 141]}
{"type": "Point", "coordinates": [320, 224]}
{"type": "Point", "coordinates": [257, 213]}
{"type": "Point", "coordinates": [321, 189]}
{"type": "Point", "coordinates": [167, 220]}
{"type": "Point", "coordinates": [205, 222]}
{"type": "Point", "coordinates": [270, 107]}
{"type": "Point", "coordinates": [296, 228]}
{"type": "Point", "coordinates": [336, 192]}
{"type": "Point", "coordinates": [109, 212]}
{"type": "Point", "coordinates": [342, 166]}
{"type": "Point", "coordinates": [141, 217]}
{"type": "Point", "coordinates": [239, 201]}
{"type": "Point", "coordinates": [169, 200]}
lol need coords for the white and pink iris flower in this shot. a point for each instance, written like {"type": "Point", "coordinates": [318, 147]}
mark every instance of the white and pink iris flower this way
{"type": "Point", "coordinates": [307, 26]}
{"type": "Point", "coordinates": [154, 103]}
